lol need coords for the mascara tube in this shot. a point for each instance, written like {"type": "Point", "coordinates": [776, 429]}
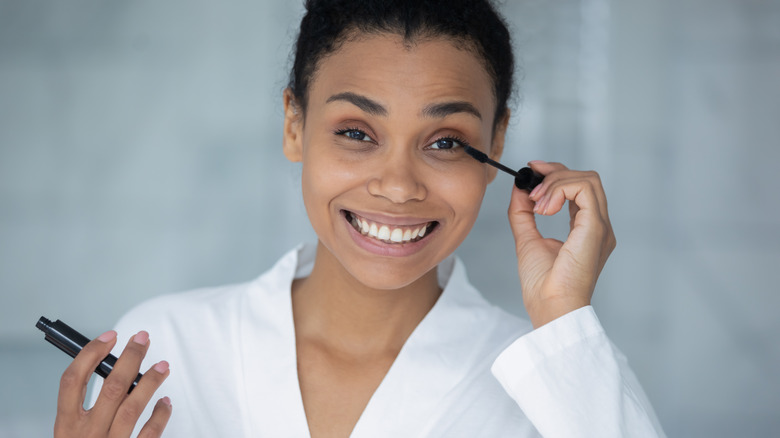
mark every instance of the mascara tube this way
{"type": "Point", "coordinates": [71, 342]}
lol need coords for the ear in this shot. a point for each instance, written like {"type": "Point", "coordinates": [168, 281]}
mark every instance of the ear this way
{"type": "Point", "coordinates": [292, 141]}
{"type": "Point", "coordinates": [497, 147]}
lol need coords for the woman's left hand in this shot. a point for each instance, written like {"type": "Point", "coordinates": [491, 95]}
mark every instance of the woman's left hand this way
{"type": "Point", "coordinates": [558, 277]}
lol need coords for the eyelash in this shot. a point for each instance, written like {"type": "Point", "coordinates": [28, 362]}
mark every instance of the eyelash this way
{"type": "Point", "coordinates": [454, 138]}
{"type": "Point", "coordinates": [344, 131]}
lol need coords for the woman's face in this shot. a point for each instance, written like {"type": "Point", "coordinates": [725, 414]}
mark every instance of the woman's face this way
{"type": "Point", "coordinates": [387, 186]}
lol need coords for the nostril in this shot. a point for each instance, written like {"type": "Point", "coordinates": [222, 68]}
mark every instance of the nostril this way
{"type": "Point", "coordinates": [397, 187]}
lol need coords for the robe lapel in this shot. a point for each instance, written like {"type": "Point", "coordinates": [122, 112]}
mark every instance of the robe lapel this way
{"type": "Point", "coordinates": [273, 393]}
{"type": "Point", "coordinates": [434, 360]}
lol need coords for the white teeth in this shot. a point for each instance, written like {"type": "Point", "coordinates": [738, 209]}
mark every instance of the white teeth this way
{"type": "Point", "coordinates": [385, 232]}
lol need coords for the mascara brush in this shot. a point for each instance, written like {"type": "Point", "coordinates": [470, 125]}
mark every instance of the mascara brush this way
{"type": "Point", "coordinates": [525, 178]}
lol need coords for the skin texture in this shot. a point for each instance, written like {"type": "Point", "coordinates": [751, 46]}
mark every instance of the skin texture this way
{"type": "Point", "coordinates": [115, 412]}
{"type": "Point", "coordinates": [357, 308]}
{"type": "Point", "coordinates": [374, 152]}
{"type": "Point", "coordinates": [558, 277]}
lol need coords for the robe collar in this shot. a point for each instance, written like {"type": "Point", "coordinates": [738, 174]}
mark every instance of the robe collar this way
{"type": "Point", "coordinates": [437, 356]}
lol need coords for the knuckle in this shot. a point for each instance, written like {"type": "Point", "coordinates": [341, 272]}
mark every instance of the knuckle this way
{"type": "Point", "coordinates": [130, 412]}
{"type": "Point", "coordinates": [113, 390]}
{"type": "Point", "coordinates": [134, 351]}
{"type": "Point", "coordinates": [593, 177]}
{"type": "Point", "coordinates": [153, 378]}
{"type": "Point", "coordinates": [70, 377]}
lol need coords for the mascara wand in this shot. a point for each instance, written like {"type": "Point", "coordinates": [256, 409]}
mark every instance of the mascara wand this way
{"type": "Point", "coordinates": [525, 178]}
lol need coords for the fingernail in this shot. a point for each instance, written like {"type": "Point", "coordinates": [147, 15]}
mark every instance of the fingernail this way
{"type": "Point", "coordinates": [536, 162]}
{"type": "Point", "coordinates": [141, 337]}
{"type": "Point", "coordinates": [166, 400]}
{"type": "Point", "coordinates": [542, 204]}
{"type": "Point", "coordinates": [161, 367]}
{"type": "Point", "coordinates": [107, 336]}
{"type": "Point", "coordinates": [534, 191]}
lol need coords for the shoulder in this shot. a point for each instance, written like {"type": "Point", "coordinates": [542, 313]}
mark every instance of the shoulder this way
{"type": "Point", "coordinates": [212, 307]}
{"type": "Point", "coordinates": [190, 314]}
{"type": "Point", "coordinates": [183, 305]}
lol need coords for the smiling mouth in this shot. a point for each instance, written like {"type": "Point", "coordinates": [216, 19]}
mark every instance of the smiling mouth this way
{"type": "Point", "coordinates": [394, 234]}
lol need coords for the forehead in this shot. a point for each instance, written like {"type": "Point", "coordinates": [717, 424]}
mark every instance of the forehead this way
{"type": "Point", "coordinates": [403, 74]}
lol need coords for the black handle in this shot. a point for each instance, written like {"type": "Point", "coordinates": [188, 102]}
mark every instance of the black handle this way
{"type": "Point", "coordinates": [527, 179]}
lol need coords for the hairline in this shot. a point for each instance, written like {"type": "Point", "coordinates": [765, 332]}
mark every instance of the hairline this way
{"type": "Point", "coordinates": [410, 41]}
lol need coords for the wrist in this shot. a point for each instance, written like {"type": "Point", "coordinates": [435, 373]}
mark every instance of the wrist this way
{"type": "Point", "coordinates": [551, 309]}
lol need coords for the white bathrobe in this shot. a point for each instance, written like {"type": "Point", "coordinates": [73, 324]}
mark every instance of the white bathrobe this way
{"type": "Point", "coordinates": [468, 370]}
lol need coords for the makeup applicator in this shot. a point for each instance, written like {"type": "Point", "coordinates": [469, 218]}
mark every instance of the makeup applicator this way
{"type": "Point", "coordinates": [525, 178]}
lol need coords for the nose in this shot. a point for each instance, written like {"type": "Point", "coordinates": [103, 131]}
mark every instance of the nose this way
{"type": "Point", "coordinates": [398, 179]}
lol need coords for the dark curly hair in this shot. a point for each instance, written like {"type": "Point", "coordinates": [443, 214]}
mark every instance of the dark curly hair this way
{"type": "Point", "coordinates": [474, 24]}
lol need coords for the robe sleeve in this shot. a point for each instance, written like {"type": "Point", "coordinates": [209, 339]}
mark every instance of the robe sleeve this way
{"type": "Point", "coordinates": [571, 381]}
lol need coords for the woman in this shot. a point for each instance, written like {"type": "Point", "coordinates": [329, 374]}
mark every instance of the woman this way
{"type": "Point", "coordinates": [375, 331]}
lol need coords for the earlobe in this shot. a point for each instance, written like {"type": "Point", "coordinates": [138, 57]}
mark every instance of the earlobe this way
{"type": "Point", "coordinates": [292, 140]}
{"type": "Point", "coordinates": [497, 146]}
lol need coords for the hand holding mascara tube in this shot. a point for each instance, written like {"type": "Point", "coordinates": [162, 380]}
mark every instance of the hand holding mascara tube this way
{"type": "Point", "coordinates": [71, 342]}
{"type": "Point", "coordinates": [116, 409]}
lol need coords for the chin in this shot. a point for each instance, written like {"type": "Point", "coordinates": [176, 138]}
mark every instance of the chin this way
{"type": "Point", "coordinates": [385, 276]}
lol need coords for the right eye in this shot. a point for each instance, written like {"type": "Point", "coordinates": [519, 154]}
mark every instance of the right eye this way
{"type": "Point", "coordinates": [354, 134]}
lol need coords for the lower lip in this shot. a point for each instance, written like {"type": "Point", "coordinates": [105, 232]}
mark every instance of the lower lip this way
{"type": "Point", "coordinates": [378, 247]}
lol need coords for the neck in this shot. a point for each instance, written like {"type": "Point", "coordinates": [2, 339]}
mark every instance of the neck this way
{"type": "Point", "coordinates": [335, 310]}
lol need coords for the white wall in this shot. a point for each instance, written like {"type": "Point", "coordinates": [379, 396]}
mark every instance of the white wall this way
{"type": "Point", "coordinates": [140, 154]}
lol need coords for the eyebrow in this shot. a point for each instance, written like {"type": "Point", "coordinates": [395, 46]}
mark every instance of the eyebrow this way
{"type": "Point", "coordinates": [364, 103]}
{"type": "Point", "coordinates": [437, 110]}
{"type": "Point", "coordinates": [442, 110]}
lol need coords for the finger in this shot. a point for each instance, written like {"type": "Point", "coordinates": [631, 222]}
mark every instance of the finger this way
{"type": "Point", "coordinates": [73, 384]}
{"type": "Point", "coordinates": [598, 189]}
{"type": "Point", "coordinates": [543, 168]}
{"type": "Point", "coordinates": [573, 209]}
{"type": "Point", "coordinates": [115, 387]}
{"type": "Point", "coordinates": [577, 191]}
{"type": "Point", "coordinates": [587, 210]}
{"type": "Point", "coordinates": [159, 419]}
{"type": "Point", "coordinates": [521, 218]}
{"type": "Point", "coordinates": [134, 404]}
{"type": "Point", "coordinates": [552, 200]}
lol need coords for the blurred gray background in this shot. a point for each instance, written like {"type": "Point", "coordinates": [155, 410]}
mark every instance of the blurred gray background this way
{"type": "Point", "coordinates": [140, 154]}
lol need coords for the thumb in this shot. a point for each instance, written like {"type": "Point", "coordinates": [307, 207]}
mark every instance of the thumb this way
{"type": "Point", "coordinates": [522, 219]}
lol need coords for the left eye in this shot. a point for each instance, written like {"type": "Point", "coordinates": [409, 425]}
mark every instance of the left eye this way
{"type": "Point", "coordinates": [446, 144]}
{"type": "Point", "coordinates": [355, 134]}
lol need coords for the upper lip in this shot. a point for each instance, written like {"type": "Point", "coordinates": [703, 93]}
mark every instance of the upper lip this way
{"type": "Point", "coordinates": [386, 219]}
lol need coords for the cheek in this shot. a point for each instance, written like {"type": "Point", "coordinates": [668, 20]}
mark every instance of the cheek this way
{"type": "Point", "coordinates": [325, 176]}
{"type": "Point", "coordinates": [463, 191]}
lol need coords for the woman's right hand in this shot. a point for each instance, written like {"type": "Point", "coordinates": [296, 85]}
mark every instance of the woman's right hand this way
{"type": "Point", "coordinates": [115, 412]}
